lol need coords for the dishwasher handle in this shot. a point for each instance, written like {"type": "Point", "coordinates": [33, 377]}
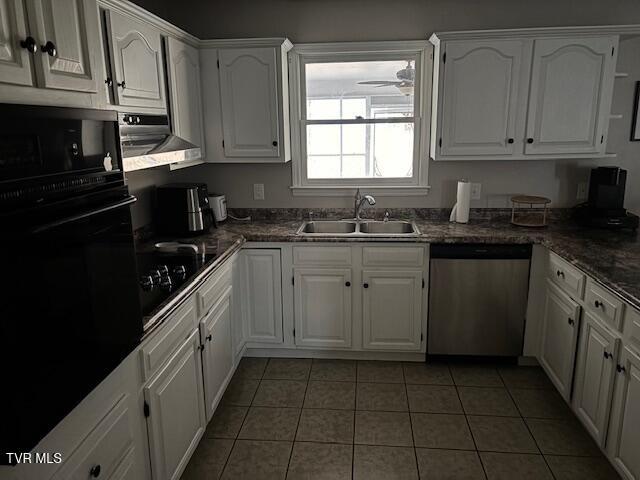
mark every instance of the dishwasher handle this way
{"type": "Point", "coordinates": [481, 251]}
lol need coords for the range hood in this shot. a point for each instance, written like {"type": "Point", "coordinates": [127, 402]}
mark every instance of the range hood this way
{"type": "Point", "coordinates": [147, 142]}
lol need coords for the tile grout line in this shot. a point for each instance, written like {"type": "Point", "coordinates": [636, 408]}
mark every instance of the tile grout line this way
{"type": "Point", "coordinates": [413, 440]}
{"type": "Point", "coordinates": [295, 434]}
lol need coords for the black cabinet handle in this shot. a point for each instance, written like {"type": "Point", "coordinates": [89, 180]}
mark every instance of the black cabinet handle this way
{"type": "Point", "coordinates": [49, 48]}
{"type": "Point", "coordinates": [366, 285]}
{"type": "Point", "coordinates": [208, 338]}
{"type": "Point", "coordinates": [560, 273]}
{"type": "Point", "coordinates": [109, 82]}
{"type": "Point", "coordinates": [620, 368]}
{"type": "Point", "coordinates": [121, 84]}
{"type": "Point", "coordinates": [95, 471]}
{"type": "Point", "coordinates": [348, 284]}
{"type": "Point", "coordinates": [598, 304]}
{"type": "Point", "coordinates": [529, 140]}
{"type": "Point", "coordinates": [571, 321]}
{"type": "Point", "coordinates": [510, 140]}
{"type": "Point", "coordinates": [607, 354]}
{"type": "Point", "coordinates": [274, 143]}
{"type": "Point", "coordinates": [29, 44]}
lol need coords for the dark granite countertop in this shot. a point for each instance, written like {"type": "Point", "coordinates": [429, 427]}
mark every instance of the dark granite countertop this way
{"type": "Point", "coordinates": [610, 257]}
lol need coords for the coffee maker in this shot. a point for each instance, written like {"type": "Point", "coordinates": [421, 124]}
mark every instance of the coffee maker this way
{"type": "Point", "coordinates": [605, 205]}
{"type": "Point", "coordinates": [183, 209]}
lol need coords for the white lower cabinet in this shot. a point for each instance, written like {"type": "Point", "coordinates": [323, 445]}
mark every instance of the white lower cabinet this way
{"type": "Point", "coordinates": [176, 411]}
{"type": "Point", "coordinates": [322, 304]}
{"type": "Point", "coordinates": [262, 295]}
{"type": "Point", "coordinates": [217, 354]}
{"type": "Point", "coordinates": [559, 337]}
{"type": "Point", "coordinates": [624, 433]}
{"type": "Point", "coordinates": [594, 376]}
{"type": "Point", "coordinates": [392, 309]}
{"type": "Point", "coordinates": [237, 323]}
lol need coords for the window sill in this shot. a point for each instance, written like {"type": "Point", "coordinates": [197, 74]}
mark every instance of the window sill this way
{"type": "Point", "coordinates": [349, 191]}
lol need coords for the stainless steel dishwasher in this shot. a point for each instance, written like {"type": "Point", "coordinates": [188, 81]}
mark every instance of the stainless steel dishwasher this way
{"type": "Point", "coordinates": [478, 299]}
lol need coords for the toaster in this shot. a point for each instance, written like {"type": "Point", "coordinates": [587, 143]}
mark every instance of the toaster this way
{"type": "Point", "coordinates": [183, 209]}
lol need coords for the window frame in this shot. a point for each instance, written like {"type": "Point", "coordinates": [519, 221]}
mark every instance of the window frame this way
{"type": "Point", "coordinates": [300, 55]}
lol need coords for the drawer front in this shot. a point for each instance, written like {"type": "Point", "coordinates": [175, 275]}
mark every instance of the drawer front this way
{"type": "Point", "coordinates": [104, 449]}
{"type": "Point", "coordinates": [322, 255]}
{"type": "Point", "coordinates": [632, 327]}
{"type": "Point", "coordinates": [171, 335]}
{"type": "Point", "coordinates": [393, 256]}
{"type": "Point", "coordinates": [566, 276]}
{"type": "Point", "coordinates": [209, 293]}
{"type": "Point", "coordinates": [605, 305]}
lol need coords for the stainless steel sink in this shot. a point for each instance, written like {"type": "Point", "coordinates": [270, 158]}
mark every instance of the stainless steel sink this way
{"type": "Point", "coordinates": [392, 227]}
{"type": "Point", "coordinates": [364, 228]}
{"type": "Point", "coordinates": [328, 227]}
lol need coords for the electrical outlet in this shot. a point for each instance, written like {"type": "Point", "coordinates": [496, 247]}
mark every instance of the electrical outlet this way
{"type": "Point", "coordinates": [583, 191]}
{"type": "Point", "coordinates": [476, 190]}
{"type": "Point", "coordinates": [258, 191]}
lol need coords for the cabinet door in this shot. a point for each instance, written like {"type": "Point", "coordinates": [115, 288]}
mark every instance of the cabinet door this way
{"type": "Point", "coordinates": [570, 96]}
{"type": "Point", "coordinates": [69, 28]}
{"type": "Point", "coordinates": [263, 295]}
{"type": "Point", "coordinates": [484, 97]}
{"type": "Point", "coordinates": [392, 309]}
{"type": "Point", "coordinates": [624, 434]}
{"type": "Point", "coordinates": [559, 336]}
{"type": "Point", "coordinates": [217, 355]}
{"type": "Point", "coordinates": [15, 61]}
{"type": "Point", "coordinates": [594, 376]}
{"type": "Point", "coordinates": [249, 98]}
{"type": "Point", "coordinates": [176, 411]}
{"type": "Point", "coordinates": [183, 64]}
{"type": "Point", "coordinates": [136, 62]}
{"type": "Point", "coordinates": [322, 302]}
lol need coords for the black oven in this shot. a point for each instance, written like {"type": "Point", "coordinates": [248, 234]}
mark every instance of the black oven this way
{"type": "Point", "coordinates": [70, 311]}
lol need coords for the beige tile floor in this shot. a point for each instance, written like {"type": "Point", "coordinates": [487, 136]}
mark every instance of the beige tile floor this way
{"type": "Point", "coordinates": [334, 420]}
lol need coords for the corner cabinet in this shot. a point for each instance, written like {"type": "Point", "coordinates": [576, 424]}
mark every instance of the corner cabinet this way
{"type": "Point", "coordinates": [247, 100]}
{"type": "Point", "coordinates": [522, 94]}
{"type": "Point", "coordinates": [136, 62]}
{"type": "Point", "coordinates": [560, 323]}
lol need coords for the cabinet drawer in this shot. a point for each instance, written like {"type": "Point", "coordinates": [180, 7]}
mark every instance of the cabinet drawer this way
{"type": "Point", "coordinates": [322, 255]}
{"type": "Point", "coordinates": [566, 276]}
{"type": "Point", "coordinates": [604, 304]}
{"type": "Point", "coordinates": [392, 256]}
{"type": "Point", "coordinates": [172, 334]}
{"type": "Point", "coordinates": [209, 293]}
{"type": "Point", "coordinates": [632, 327]}
{"type": "Point", "coordinates": [104, 449]}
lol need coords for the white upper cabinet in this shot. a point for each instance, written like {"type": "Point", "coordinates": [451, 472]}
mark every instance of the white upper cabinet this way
{"type": "Point", "coordinates": [522, 94]}
{"type": "Point", "coordinates": [246, 102]}
{"type": "Point", "coordinates": [483, 95]}
{"type": "Point", "coordinates": [570, 99]}
{"type": "Point", "coordinates": [68, 45]}
{"type": "Point", "coordinates": [136, 62]}
{"type": "Point", "coordinates": [185, 95]}
{"type": "Point", "coordinates": [15, 64]}
{"type": "Point", "coordinates": [322, 304]}
{"type": "Point", "coordinates": [249, 97]}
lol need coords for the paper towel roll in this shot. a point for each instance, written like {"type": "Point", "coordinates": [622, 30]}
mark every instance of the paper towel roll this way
{"type": "Point", "coordinates": [460, 211]}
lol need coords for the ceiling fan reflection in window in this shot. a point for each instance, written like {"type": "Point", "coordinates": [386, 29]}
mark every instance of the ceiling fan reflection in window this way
{"type": "Point", "coordinates": [405, 80]}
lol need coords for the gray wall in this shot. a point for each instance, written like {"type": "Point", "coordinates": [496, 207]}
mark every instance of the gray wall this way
{"type": "Point", "coordinates": [351, 20]}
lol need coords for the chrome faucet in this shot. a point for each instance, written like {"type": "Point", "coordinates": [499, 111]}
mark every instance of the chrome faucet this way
{"type": "Point", "coordinates": [359, 201]}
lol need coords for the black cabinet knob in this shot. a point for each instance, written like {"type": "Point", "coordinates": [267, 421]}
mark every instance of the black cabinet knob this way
{"type": "Point", "coordinates": [274, 143]}
{"type": "Point", "coordinates": [529, 140]}
{"type": "Point", "coordinates": [560, 273]}
{"type": "Point", "coordinates": [95, 471]}
{"type": "Point", "coordinates": [49, 48]}
{"type": "Point", "coordinates": [348, 284]}
{"type": "Point", "coordinates": [208, 338]}
{"type": "Point", "coordinates": [598, 304]}
{"type": "Point", "coordinates": [607, 354]}
{"type": "Point", "coordinates": [121, 84]}
{"type": "Point", "coordinates": [510, 140]}
{"type": "Point", "coordinates": [366, 285]}
{"type": "Point", "coordinates": [29, 44]}
{"type": "Point", "coordinates": [571, 321]}
{"type": "Point", "coordinates": [109, 82]}
{"type": "Point", "coordinates": [620, 368]}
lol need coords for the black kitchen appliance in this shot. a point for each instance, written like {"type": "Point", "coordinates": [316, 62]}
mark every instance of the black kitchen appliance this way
{"type": "Point", "coordinates": [70, 310]}
{"type": "Point", "coordinates": [605, 206]}
{"type": "Point", "coordinates": [183, 209]}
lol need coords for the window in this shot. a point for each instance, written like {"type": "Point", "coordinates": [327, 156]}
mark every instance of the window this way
{"type": "Point", "coordinates": [360, 118]}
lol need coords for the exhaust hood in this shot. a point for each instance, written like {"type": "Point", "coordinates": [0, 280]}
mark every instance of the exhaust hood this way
{"type": "Point", "coordinates": [147, 142]}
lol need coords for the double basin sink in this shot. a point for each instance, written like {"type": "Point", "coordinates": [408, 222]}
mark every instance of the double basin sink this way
{"type": "Point", "coordinates": [361, 228]}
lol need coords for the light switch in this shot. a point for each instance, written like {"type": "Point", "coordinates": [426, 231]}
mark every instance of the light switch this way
{"type": "Point", "coordinates": [476, 190]}
{"type": "Point", "coordinates": [258, 191]}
